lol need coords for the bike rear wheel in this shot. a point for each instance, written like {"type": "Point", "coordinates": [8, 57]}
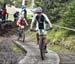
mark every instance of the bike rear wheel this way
{"type": "Point", "coordinates": [21, 35]}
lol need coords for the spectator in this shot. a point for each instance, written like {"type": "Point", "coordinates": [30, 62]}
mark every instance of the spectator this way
{"type": "Point", "coordinates": [16, 15]}
{"type": "Point", "coordinates": [4, 15]}
{"type": "Point", "coordinates": [25, 14]}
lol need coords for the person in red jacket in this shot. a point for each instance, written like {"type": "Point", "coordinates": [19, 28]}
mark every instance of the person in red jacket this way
{"type": "Point", "coordinates": [4, 14]}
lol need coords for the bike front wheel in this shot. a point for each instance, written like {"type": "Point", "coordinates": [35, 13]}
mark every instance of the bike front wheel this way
{"type": "Point", "coordinates": [23, 36]}
{"type": "Point", "coordinates": [42, 49]}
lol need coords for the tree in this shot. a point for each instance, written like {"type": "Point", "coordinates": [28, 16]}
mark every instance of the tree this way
{"type": "Point", "coordinates": [54, 8]}
{"type": "Point", "coordinates": [37, 2]}
{"type": "Point", "coordinates": [18, 3]}
{"type": "Point", "coordinates": [69, 15]}
{"type": "Point", "coordinates": [1, 1]}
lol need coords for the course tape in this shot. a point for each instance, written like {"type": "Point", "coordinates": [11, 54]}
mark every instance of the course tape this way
{"type": "Point", "coordinates": [64, 27]}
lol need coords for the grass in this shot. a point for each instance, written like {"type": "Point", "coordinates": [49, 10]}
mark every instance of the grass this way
{"type": "Point", "coordinates": [60, 50]}
{"type": "Point", "coordinates": [56, 35]}
{"type": "Point", "coordinates": [62, 41]}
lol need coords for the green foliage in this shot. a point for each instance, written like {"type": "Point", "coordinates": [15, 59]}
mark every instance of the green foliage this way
{"type": "Point", "coordinates": [54, 8]}
{"type": "Point", "coordinates": [18, 3]}
{"type": "Point", "coordinates": [59, 38]}
{"type": "Point", "coordinates": [69, 15]}
{"type": "Point", "coordinates": [60, 50]}
{"type": "Point", "coordinates": [1, 1]}
{"type": "Point", "coordinates": [6, 1]}
{"type": "Point", "coordinates": [55, 35]}
{"type": "Point", "coordinates": [29, 16]}
{"type": "Point", "coordinates": [37, 3]}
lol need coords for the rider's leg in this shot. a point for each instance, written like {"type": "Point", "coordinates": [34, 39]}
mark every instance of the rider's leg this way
{"type": "Point", "coordinates": [45, 41]}
{"type": "Point", "coordinates": [37, 36]}
{"type": "Point", "coordinates": [3, 18]}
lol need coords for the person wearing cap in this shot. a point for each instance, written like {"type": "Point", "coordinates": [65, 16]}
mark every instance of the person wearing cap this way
{"type": "Point", "coordinates": [40, 18]}
{"type": "Point", "coordinates": [16, 15]}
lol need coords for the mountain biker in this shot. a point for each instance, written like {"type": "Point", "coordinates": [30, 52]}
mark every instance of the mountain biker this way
{"type": "Point", "coordinates": [21, 22]}
{"type": "Point", "coordinates": [40, 18]}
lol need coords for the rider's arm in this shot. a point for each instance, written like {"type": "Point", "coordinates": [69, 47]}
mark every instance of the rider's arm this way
{"type": "Point", "coordinates": [26, 22]}
{"type": "Point", "coordinates": [47, 19]}
{"type": "Point", "coordinates": [18, 23]}
{"type": "Point", "coordinates": [33, 20]}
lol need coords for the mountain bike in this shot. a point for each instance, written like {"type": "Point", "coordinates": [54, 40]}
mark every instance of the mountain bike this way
{"type": "Point", "coordinates": [21, 33]}
{"type": "Point", "coordinates": [42, 43]}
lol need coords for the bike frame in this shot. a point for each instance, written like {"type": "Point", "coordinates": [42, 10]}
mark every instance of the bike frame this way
{"type": "Point", "coordinates": [21, 33]}
{"type": "Point", "coordinates": [42, 44]}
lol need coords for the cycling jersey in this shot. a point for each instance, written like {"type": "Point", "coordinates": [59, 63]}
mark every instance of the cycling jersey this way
{"type": "Point", "coordinates": [21, 22]}
{"type": "Point", "coordinates": [40, 23]}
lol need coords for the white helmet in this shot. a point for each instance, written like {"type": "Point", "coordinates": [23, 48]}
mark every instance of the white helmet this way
{"type": "Point", "coordinates": [39, 9]}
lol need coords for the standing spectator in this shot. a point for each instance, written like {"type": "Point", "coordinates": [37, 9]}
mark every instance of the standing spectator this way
{"type": "Point", "coordinates": [4, 15]}
{"type": "Point", "coordinates": [16, 15]}
{"type": "Point", "coordinates": [25, 14]}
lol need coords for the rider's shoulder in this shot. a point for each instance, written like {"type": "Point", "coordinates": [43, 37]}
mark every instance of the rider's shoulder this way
{"type": "Point", "coordinates": [44, 14]}
{"type": "Point", "coordinates": [35, 14]}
